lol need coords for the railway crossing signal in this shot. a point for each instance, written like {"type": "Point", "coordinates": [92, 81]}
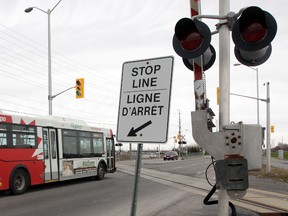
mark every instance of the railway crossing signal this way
{"type": "Point", "coordinates": [237, 147]}
{"type": "Point", "coordinates": [192, 39]}
{"type": "Point", "coordinates": [253, 30]}
{"type": "Point", "coordinates": [252, 34]}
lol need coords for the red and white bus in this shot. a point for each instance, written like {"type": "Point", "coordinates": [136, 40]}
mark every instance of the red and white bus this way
{"type": "Point", "coordinates": [41, 150]}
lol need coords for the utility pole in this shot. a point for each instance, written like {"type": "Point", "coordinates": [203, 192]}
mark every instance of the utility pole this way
{"type": "Point", "coordinates": [179, 120]}
{"type": "Point", "coordinates": [268, 131]}
{"type": "Point", "coordinates": [179, 133]}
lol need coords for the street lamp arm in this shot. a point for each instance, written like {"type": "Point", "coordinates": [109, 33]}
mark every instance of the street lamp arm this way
{"type": "Point", "coordinates": [55, 6]}
{"type": "Point", "coordinates": [249, 97]}
{"type": "Point", "coordinates": [238, 64]}
{"type": "Point", "coordinates": [255, 69]}
{"type": "Point", "coordinates": [28, 10]}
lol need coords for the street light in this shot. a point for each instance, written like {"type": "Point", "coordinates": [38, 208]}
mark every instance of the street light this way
{"type": "Point", "coordinates": [257, 83]}
{"type": "Point", "coordinates": [48, 12]}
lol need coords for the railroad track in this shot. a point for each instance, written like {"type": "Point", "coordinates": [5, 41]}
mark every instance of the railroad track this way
{"type": "Point", "coordinates": [258, 201]}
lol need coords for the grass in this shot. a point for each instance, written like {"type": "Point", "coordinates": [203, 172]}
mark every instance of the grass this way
{"type": "Point", "coordinates": [275, 155]}
{"type": "Point", "coordinates": [275, 174]}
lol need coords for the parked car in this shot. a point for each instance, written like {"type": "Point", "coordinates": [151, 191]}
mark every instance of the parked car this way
{"type": "Point", "coordinates": [153, 155]}
{"type": "Point", "coordinates": [171, 155]}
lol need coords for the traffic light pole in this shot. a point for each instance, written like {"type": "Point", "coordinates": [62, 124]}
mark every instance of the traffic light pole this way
{"type": "Point", "coordinates": [224, 83]}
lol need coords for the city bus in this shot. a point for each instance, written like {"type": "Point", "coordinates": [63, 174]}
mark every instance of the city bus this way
{"type": "Point", "coordinates": [41, 150]}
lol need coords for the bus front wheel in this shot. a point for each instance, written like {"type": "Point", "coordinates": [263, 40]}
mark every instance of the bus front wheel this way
{"type": "Point", "coordinates": [19, 182]}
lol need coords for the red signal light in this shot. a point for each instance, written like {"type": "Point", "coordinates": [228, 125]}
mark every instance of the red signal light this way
{"type": "Point", "coordinates": [192, 42]}
{"type": "Point", "coordinates": [191, 39]}
{"type": "Point", "coordinates": [253, 31]}
{"type": "Point", "coordinates": [252, 34]}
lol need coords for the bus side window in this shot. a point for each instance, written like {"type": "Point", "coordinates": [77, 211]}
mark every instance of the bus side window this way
{"type": "Point", "coordinates": [24, 136]}
{"type": "Point", "coordinates": [69, 139]}
{"type": "Point", "coordinates": [3, 135]}
{"type": "Point", "coordinates": [3, 139]}
{"type": "Point", "coordinates": [85, 146]}
{"type": "Point", "coordinates": [98, 143]}
{"type": "Point", "coordinates": [45, 144]}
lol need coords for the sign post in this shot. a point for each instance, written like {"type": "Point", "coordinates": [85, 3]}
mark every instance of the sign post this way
{"type": "Point", "coordinates": [144, 104]}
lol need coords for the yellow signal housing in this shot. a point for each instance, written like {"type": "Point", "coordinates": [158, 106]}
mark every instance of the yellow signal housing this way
{"type": "Point", "coordinates": [79, 88]}
{"type": "Point", "coordinates": [272, 128]}
{"type": "Point", "coordinates": [218, 95]}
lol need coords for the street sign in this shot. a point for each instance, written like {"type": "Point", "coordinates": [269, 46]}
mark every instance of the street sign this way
{"type": "Point", "coordinates": [144, 103]}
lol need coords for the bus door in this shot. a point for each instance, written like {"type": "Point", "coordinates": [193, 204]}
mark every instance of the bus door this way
{"type": "Point", "coordinates": [50, 154]}
{"type": "Point", "coordinates": [110, 155]}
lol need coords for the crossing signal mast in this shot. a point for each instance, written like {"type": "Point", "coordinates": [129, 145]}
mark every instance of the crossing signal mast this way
{"type": "Point", "coordinates": [236, 147]}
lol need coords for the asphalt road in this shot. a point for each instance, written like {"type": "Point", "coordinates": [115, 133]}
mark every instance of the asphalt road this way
{"type": "Point", "coordinates": [109, 197]}
{"type": "Point", "coordinates": [113, 195]}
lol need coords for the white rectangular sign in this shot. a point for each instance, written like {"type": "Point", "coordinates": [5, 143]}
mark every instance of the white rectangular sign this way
{"type": "Point", "coordinates": [144, 103]}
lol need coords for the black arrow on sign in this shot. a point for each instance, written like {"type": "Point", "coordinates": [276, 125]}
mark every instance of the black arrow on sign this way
{"type": "Point", "coordinates": [134, 131]}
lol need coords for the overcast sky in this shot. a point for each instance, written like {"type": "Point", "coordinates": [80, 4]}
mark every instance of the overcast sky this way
{"type": "Point", "coordinates": [93, 38]}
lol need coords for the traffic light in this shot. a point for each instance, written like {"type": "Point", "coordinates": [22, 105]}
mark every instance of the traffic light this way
{"type": "Point", "coordinates": [192, 39]}
{"type": "Point", "coordinates": [218, 95]}
{"type": "Point", "coordinates": [79, 88]}
{"type": "Point", "coordinates": [252, 34]}
{"type": "Point", "coordinates": [272, 128]}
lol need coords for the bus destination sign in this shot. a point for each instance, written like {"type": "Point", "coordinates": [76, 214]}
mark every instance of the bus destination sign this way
{"type": "Point", "coordinates": [144, 103]}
